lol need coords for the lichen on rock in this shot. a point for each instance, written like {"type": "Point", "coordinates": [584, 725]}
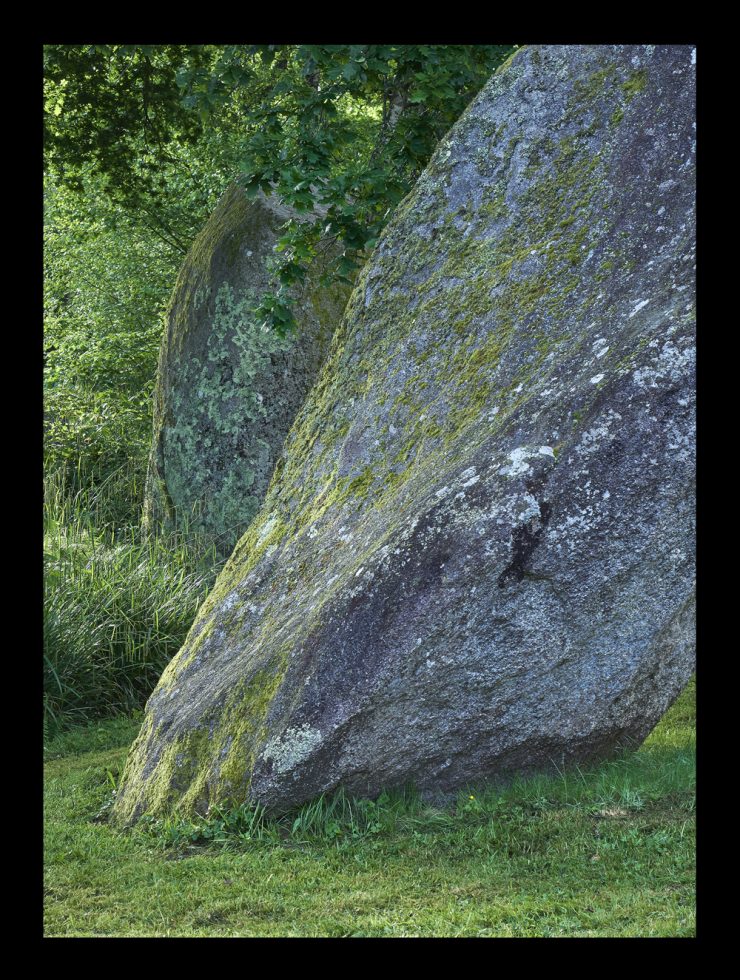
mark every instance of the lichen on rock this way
{"type": "Point", "coordinates": [476, 554]}
{"type": "Point", "coordinates": [228, 388]}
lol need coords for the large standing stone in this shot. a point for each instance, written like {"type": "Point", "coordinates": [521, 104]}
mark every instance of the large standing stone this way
{"type": "Point", "coordinates": [478, 557]}
{"type": "Point", "coordinates": [228, 390]}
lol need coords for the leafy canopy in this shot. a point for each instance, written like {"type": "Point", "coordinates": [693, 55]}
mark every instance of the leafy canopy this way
{"type": "Point", "coordinates": [339, 132]}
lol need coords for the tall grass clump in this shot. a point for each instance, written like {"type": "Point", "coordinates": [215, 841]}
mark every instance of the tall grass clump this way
{"type": "Point", "coordinates": [117, 605]}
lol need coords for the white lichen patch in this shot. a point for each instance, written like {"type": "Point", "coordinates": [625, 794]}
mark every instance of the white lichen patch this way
{"type": "Point", "coordinates": [230, 601]}
{"type": "Point", "coordinates": [672, 362]}
{"type": "Point", "coordinates": [469, 477]}
{"type": "Point", "coordinates": [266, 530]}
{"type": "Point", "coordinates": [527, 508]}
{"type": "Point", "coordinates": [600, 348]}
{"type": "Point", "coordinates": [680, 442]}
{"type": "Point", "coordinates": [643, 302]}
{"type": "Point", "coordinates": [519, 464]}
{"type": "Point", "coordinates": [574, 527]}
{"type": "Point", "coordinates": [592, 438]}
{"type": "Point", "coordinates": [292, 747]}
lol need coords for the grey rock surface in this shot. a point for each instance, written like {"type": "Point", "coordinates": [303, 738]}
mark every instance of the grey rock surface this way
{"type": "Point", "coordinates": [477, 555]}
{"type": "Point", "coordinates": [227, 389]}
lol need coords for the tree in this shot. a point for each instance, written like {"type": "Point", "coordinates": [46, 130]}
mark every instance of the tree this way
{"type": "Point", "coordinates": [339, 132]}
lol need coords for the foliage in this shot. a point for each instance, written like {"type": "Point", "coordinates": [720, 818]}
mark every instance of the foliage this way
{"type": "Point", "coordinates": [115, 611]}
{"type": "Point", "coordinates": [343, 132]}
{"type": "Point", "coordinates": [106, 283]}
{"type": "Point", "coordinates": [607, 851]}
{"type": "Point", "coordinates": [94, 736]}
{"type": "Point", "coordinates": [115, 111]}
{"type": "Point", "coordinates": [339, 132]}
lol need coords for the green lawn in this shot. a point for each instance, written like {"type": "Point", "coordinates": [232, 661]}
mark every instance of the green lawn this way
{"type": "Point", "coordinates": [605, 852]}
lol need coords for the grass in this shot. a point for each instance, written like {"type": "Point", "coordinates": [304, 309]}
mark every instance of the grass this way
{"type": "Point", "coordinates": [604, 852]}
{"type": "Point", "coordinates": [117, 605]}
